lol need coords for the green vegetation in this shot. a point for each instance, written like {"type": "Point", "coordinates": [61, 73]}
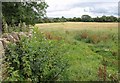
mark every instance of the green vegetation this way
{"type": "Point", "coordinates": [27, 12]}
{"type": "Point", "coordinates": [75, 49]}
{"type": "Point", "coordinates": [65, 51]}
{"type": "Point", "coordinates": [15, 13]}
{"type": "Point", "coordinates": [35, 59]}
{"type": "Point", "coordinates": [83, 18]}
{"type": "Point", "coordinates": [93, 52]}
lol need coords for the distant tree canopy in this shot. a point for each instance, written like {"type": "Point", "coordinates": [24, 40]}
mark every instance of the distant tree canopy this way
{"type": "Point", "coordinates": [83, 18]}
{"type": "Point", "coordinates": [86, 18]}
{"type": "Point", "coordinates": [28, 12]}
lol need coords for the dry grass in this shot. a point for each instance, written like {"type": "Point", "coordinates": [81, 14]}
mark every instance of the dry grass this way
{"type": "Point", "coordinates": [78, 25]}
{"type": "Point", "coordinates": [50, 36]}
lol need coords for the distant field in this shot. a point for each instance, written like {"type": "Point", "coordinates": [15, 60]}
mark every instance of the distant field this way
{"type": "Point", "coordinates": [91, 46]}
{"type": "Point", "coordinates": [78, 25]}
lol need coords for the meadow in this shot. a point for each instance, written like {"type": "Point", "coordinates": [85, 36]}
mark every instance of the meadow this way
{"type": "Point", "coordinates": [57, 49]}
{"type": "Point", "coordinates": [92, 49]}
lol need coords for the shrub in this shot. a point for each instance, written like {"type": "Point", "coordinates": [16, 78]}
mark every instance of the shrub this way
{"type": "Point", "coordinates": [83, 36]}
{"type": "Point", "coordinates": [95, 37]}
{"type": "Point", "coordinates": [50, 36]}
{"type": "Point", "coordinates": [35, 59]}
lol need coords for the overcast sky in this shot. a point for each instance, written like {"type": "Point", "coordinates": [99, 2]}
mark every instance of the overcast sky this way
{"type": "Point", "coordinates": [76, 8]}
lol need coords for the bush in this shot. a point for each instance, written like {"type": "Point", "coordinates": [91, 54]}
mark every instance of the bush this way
{"type": "Point", "coordinates": [35, 59]}
{"type": "Point", "coordinates": [83, 36]}
{"type": "Point", "coordinates": [94, 37]}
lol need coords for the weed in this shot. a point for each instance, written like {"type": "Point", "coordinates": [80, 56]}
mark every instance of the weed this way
{"type": "Point", "coordinates": [35, 59]}
{"type": "Point", "coordinates": [102, 73]}
{"type": "Point", "coordinates": [94, 38]}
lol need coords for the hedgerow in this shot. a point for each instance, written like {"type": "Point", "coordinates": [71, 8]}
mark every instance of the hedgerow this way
{"type": "Point", "coordinates": [35, 59]}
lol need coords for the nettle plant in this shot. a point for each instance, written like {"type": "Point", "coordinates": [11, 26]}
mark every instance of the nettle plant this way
{"type": "Point", "coordinates": [35, 59]}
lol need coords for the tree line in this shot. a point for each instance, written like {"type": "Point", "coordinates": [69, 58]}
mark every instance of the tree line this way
{"type": "Point", "coordinates": [83, 18]}
{"type": "Point", "coordinates": [32, 12]}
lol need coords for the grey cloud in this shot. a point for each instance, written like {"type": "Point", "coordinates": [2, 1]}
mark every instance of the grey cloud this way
{"type": "Point", "coordinates": [96, 8]}
{"type": "Point", "coordinates": [86, 4]}
{"type": "Point", "coordinates": [105, 11]}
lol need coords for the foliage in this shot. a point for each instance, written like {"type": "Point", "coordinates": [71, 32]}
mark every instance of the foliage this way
{"type": "Point", "coordinates": [27, 12]}
{"type": "Point", "coordinates": [15, 13]}
{"type": "Point", "coordinates": [106, 45]}
{"type": "Point", "coordinates": [87, 58]}
{"type": "Point", "coordinates": [22, 27]}
{"type": "Point", "coordinates": [35, 59]}
{"type": "Point", "coordinates": [86, 18]}
{"type": "Point", "coordinates": [95, 37]}
{"type": "Point", "coordinates": [83, 18]}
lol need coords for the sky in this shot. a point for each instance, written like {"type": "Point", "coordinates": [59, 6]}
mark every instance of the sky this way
{"type": "Point", "coordinates": [77, 8]}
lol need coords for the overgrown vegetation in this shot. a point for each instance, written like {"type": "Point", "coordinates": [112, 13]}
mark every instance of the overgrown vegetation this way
{"type": "Point", "coordinates": [35, 59]}
{"type": "Point", "coordinates": [93, 52]}
{"type": "Point", "coordinates": [64, 54]}
{"type": "Point", "coordinates": [58, 53]}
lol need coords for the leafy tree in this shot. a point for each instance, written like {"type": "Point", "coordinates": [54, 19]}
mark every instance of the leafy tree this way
{"type": "Point", "coordinates": [97, 19]}
{"type": "Point", "coordinates": [118, 19]}
{"type": "Point", "coordinates": [69, 19]}
{"type": "Point", "coordinates": [56, 20]}
{"type": "Point", "coordinates": [28, 12]}
{"type": "Point", "coordinates": [63, 19]}
{"type": "Point", "coordinates": [112, 19]}
{"type": "Point", "coordinates": [103, 18]}
{"type": "Point", "coordinates": [76, 19]}
{"type": "Point", "coordinates": [86, 18]}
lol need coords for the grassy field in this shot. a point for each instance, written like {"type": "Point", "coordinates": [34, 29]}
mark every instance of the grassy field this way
{"type": "Point", "coordinates": [79, 26]}
{"type": "Point", "coordinates": [92, 49]}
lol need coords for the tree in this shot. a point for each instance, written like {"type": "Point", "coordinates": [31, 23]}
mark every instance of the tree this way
{"type": "Point", "coordinates": [63, 19]}
{"type": "Point", "coordinates": [56, 20]}
{"type": "Point", "coordinates": [86, 18]}
{"type": "Point", "coordinates": [28, 12]}
{"type": "Point", "coordinates": [103, 18]}
{"type": "Point", "coordinates": [118, 19]}
{"type": "Point", "coordinates": [112, 19]}
{"type": "Point", "coordinates": [69, 19]}
{"type": "Point", "coordinates": [97, 19]}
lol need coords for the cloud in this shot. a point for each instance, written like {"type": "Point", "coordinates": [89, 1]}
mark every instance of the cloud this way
{"type": "Point", "coordinates": [76, 8]}
{"type": "Point", "coordinates": [108, 8]}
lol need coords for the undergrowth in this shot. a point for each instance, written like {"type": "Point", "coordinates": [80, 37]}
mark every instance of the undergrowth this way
{"type": "Point", "coordinates": [35, 59]}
